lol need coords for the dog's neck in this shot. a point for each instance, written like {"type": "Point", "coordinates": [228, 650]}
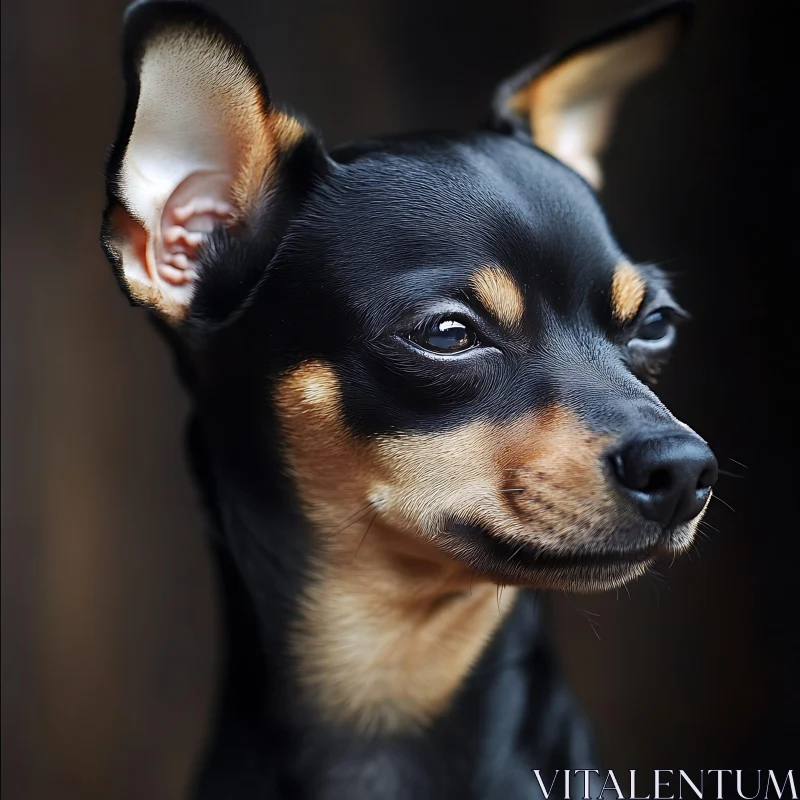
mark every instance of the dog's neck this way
{"type": "Point", "coordinates": [382, 632]}
{"type": "Point", "coordinates": [386, 631]}
{"type": "Point", "coordinates": [376, 630]}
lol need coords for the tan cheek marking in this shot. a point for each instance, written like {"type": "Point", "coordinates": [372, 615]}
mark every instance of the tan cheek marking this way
{"type": "Point", "coordinates": [565, 498]}
{"type": "Point", "coordinates": [387, 627]}
{"type": "Point", "coordinates": [330, 469]}
{"type": "Point", "coordinates": [436, 474]}
{"type": "Point", "coordinates": [499, 294]}
{"type": "Point", "coordinates": [627, 292]}
{"type": "Point", "coordinates": [538, 478]}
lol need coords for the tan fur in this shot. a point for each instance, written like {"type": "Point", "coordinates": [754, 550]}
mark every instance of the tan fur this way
{"type": "Point", "coordinates": [572, 105]}
{"type": "Point", "coordinates": [627, 292]}
{"type": "Point", "coordinates": [499, 294]}
{"type": "Point", "coordinates": [387, 634]}
{"type": "Point", "coordinates": [388, 629]}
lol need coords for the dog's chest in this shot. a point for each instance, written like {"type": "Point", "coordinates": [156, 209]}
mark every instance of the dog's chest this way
{"type": "Point", "coordinates": [513, 715]}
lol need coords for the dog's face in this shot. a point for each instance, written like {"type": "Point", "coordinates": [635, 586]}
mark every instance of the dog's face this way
{"type": "Point", "coordinates": [454, 345]}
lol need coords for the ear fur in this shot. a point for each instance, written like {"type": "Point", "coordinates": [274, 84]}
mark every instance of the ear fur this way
{"type": "Point", "coordinates": [567, 102]}
{"type": "Point", "coordinates": [200, 147]}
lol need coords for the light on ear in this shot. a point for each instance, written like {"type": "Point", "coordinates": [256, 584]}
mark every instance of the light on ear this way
{"type": "Point", "coordinates": [570, 103]}
{"type": "Point", "coordinates": [201, 147]}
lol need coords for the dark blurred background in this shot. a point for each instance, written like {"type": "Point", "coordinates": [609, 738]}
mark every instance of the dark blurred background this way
{"type": "Point", "coordinates": [108, 625]}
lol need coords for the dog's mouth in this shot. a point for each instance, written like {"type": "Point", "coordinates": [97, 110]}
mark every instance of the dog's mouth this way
{"type": "Point", "coordinates": [526, 564]}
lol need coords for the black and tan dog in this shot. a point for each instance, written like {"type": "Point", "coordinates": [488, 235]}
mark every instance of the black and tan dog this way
{"type": "Point", "coordinates": [419, 372]}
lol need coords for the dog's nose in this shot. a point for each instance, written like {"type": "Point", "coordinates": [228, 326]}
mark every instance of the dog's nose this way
{"type": "Point", "coordinates": [668, 477]}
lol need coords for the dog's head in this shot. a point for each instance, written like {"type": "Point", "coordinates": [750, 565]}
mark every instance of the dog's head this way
{"type": "Point", "coordinates": [442, 328]}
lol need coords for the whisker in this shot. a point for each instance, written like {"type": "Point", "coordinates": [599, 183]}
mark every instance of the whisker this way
{"type": "Point", "coordinates": [739, 463]}
{"type": "Point", "coordinates": [374, 517]}
{"type": "Point", "coordinates": [587, 615]}
{"type": "Point", "coordinates": [656, 575]}
{"type": "Point", "coordinates": [727, 505]}
{"type": "Point", "coordinates": [714, 510]}
{"type": "Point", "coordinates": [356, 513]}
{"type": "Point", "coordinates": [655, 580]}
{"type": "Point", "coordinates": [704, 536]}
{"type": "Point", "coordinates": [516, 551]}
{"type": "Point", "coordinates": [351, 520]}
{"type": "Point", "coordinates": [707, 525]}
{"type": "Point", "coordinates": [730, 474]}
{"type": "Point", "coordinates": [500, 587]}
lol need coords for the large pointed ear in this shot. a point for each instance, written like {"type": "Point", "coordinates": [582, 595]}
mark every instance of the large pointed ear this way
{"type": "Point", "coordinates": [200, 148]}
{"type": "Point", "coordinates": [567, 102]}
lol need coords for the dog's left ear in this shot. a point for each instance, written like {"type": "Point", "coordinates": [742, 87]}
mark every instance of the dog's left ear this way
{"type": "Point", "coordinates": [567, 102]}
{"type": "Point", "coordinates": [202, 157]}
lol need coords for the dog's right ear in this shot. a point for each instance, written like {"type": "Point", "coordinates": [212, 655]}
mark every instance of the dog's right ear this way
{"type": "Point", "coordinates": [566, 103]}
{"type": "Point", "coordinates": [201, 154]}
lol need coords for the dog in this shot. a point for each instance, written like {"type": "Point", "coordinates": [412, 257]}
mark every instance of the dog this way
{"type": "Point", "coordinates": [419, 370]}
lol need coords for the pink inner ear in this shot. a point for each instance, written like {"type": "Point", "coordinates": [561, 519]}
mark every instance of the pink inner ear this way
{"type": "Point", "coordinates": [194, 209]}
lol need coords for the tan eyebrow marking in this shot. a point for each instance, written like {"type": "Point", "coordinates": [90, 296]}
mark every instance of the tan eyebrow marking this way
{"type": "Point", "coordinates": [627, 292]}
{"type": "Point", "coordinates": [499, 294]}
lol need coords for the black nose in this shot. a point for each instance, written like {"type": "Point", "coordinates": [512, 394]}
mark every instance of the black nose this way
{"type": "Point", "coordinates": [668, 477]}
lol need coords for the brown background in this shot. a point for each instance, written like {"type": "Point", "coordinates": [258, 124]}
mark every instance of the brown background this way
{"type": "Point", "coordinates": [108, 609]}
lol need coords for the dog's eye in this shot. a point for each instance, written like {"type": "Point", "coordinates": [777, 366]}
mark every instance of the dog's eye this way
{"type": "Point", "coordinates": [446, 336]}
{"type": "Point", "coordinates": [657, 328]}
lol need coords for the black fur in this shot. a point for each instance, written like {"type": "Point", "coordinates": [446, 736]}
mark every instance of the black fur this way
{"type": "Point", "coordinates": [359, 247]}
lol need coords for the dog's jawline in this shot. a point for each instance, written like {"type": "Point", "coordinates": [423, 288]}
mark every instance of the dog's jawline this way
{"type": "Point", "coordinates": [260, 711]}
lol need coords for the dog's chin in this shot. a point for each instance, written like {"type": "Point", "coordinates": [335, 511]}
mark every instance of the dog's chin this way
{"type": "Point", "coordinates": [582, 571]}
